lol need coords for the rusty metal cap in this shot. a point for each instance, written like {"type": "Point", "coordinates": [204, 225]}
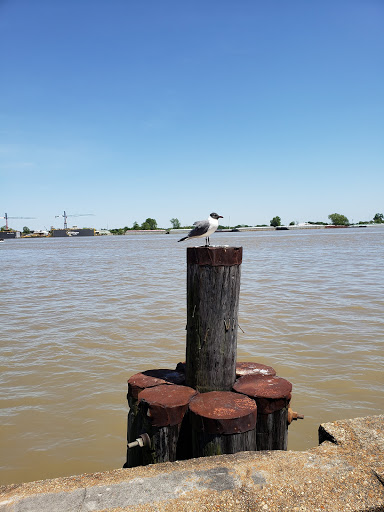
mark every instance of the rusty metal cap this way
{"type": "Point", "coordinates": [152, 378]}
{"type": "Point", "coordinates": [223, 412]}
{"type": "Point", "coordinates": [253, 369]}
{"type": "Point", "coordinates": [166, 404]}
{"type": "Point", "coordinates": [271, 393]}
{"type": "Point", "coordinates": [215, 256]}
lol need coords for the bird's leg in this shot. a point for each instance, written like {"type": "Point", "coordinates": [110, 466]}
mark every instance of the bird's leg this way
{"type": "Point", "coordinates": [207, 241]}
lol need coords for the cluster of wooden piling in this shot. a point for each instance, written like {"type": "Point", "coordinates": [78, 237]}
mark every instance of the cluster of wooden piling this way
{"type": "Point", "coordinates": [210, 404]}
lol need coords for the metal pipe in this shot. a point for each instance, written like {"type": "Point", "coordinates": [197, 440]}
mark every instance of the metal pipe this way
{"type": "Point", "coordinates": [294, 416]}
{"type": "Point", "coordinates": [143, 440]}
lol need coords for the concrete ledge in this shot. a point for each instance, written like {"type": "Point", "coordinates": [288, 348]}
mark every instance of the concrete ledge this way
{"type": "Point", "coordinates": [145, 232]}
{"type": "Point", "coordinates": [344, 473]}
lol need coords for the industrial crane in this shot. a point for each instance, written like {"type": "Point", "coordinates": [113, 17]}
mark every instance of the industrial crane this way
{"type": "Point", "coordinates": [6, 219]}
{"type": "Point", "coordinates": [65, 216]}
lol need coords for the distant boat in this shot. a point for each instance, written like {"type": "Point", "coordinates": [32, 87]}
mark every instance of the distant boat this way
{"type": "Point", "coordinates": [1, 240]}
{"type": "Point", "coordinates": [73, 232]}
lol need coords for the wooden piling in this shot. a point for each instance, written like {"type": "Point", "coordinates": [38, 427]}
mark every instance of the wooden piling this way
{"type": "Point", "coordinates": [272, 395]}
{"type": "Point", "coordinates": [137, 383]}
{"type": "Point", "coordinates": [161, 410]}
{"type": "Point", "coordinates": [222, 422]}
{"type": "Point", "coordinates": [213, 285]}
{"type": "Point", "coordinates": [192, 411]}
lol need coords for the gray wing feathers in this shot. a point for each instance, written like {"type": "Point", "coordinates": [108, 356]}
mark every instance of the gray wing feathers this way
{"type": "Point", "coordinates": [200, 228]}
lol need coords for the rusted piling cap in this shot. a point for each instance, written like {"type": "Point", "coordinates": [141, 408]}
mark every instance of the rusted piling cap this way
{"type": "Point", "coordinates": [215, 256]}
{"type": "Point", "coordinates": [223, 412]}
{"type": "Point", "coordinates": [271, 393]}
{"type": "Point", "coordinates": [152, 378]}
{"type": "Point", "coordinates": [253, 369]}
{"type": "Point", "coordinates": [166, 404]}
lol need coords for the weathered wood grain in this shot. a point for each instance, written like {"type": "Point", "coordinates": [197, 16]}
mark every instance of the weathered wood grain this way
{"type": "Point", "coordinates": [272, 430]}
{"type": "Point", "coordinates": [206, 445]}
{"type": "Point", "coordinates": [212, 311]}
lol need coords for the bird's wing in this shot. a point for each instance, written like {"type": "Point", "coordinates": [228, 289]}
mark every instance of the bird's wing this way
{"type": "Point", "coordinates": [200, 228]}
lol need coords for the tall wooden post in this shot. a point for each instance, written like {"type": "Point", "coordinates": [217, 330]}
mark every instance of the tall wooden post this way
{"type": "Point", "coordinates": [213, 286]}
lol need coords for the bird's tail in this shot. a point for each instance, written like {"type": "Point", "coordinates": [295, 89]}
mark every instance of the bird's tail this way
{"type": "Point", "coordinates": [181, 239]}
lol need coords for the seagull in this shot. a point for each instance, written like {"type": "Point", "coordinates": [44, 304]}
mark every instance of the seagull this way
{"type": "Point", "coordinates": [204, 228]}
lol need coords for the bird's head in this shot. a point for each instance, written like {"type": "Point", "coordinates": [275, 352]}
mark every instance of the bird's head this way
{"type": "Point", "coordinates": [215, 216]}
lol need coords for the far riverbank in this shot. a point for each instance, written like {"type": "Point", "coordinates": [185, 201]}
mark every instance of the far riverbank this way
{"type": "Point", "coordinates": [270, 228]}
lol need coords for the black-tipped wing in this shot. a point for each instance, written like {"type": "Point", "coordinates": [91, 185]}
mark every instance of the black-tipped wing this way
{"type": "Point", "coordinates": [201, 227]}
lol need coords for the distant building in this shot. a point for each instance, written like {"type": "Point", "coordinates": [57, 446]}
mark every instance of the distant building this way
{"type": "Point", "coordinates": [9, 234]}
{"type": "Point", "coordinates": [102, 232]}
{"type": "Point", "coordinates": [69, 232]}
{"type": "Point", "coordinates": [40, 232]}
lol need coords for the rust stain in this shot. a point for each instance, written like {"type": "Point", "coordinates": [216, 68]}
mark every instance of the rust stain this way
{"type": "Point", "coordinates": [223, 412]}
{"type": "Point", "coordinates": [270, 393]}
{"type": "Point", "coordinates": [167, 404]}
{"type": "Point", "coordinates": [214, 256]}
{"type": "Point", "coordinates": [152, 378]}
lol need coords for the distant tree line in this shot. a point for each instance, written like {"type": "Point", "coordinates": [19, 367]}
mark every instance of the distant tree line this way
{"type": "Point", "coordinates": [341, 220]}
{"type": "Point", "coordinates": [337, 219]}
{"type": "Point", "coordinates": [148, 224]}
{"type": "Point", "coordinates": [276, 221]}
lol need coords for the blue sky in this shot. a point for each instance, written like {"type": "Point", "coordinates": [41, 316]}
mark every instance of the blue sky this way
{"type": "Point", "coordinates": [163, 109]}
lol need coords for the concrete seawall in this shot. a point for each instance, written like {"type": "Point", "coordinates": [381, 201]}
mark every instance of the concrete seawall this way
{"type": "Point", "coordinates": [344, 473]}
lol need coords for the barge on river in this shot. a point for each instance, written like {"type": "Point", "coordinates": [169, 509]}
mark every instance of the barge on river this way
{"type": "Point", "coordinates": [73, 232]}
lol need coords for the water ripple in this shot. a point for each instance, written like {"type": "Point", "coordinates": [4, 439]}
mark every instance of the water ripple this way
{"type": "Point", "coordinates": [80, 316]}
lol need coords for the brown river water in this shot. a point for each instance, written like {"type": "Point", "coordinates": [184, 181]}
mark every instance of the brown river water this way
{"type": "Point", "coordinates": [81, 315]}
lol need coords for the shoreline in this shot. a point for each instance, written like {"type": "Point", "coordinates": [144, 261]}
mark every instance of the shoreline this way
{"type": "Point", "coordinates": [182, 231]}
{"type": "Point", "coordinates": [278, 228]}
{"type": "Point", "coordinates": [344, 472]}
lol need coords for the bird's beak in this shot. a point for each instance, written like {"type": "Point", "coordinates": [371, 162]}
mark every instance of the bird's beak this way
{"type": "Point", "coordinates": [221, 217]}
